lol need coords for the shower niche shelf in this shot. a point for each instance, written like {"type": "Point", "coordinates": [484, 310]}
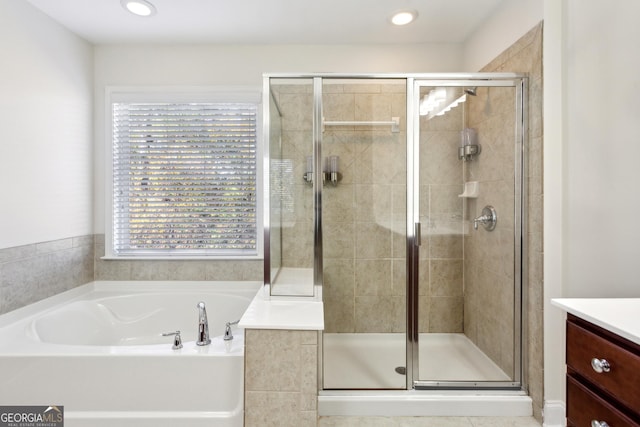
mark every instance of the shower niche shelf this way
{"type": "Point", "coordinates": [471, 190]}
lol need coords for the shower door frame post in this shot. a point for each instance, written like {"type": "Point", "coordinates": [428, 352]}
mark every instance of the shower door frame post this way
{"type": "Point", "coordinates": [413, 235]}
{"type": "Point", "coordinates": [266, 177]}
{"type": "Point", "coordinates": [318, 178]}
{"type": "Point", "coordinates": [521, 265]}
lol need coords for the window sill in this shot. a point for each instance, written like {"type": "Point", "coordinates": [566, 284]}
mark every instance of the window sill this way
{"type": "Point", "coordinates": [183, 258]}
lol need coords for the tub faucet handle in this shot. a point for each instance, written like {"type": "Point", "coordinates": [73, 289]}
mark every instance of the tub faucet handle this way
{"type": "Point", "coordinates": [177, 340]}
{"type": "Point", "coordinates": [227, 330]}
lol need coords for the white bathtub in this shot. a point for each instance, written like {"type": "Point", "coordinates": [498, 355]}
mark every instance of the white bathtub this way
{"type": "Point", "coordinates": [98, 350]}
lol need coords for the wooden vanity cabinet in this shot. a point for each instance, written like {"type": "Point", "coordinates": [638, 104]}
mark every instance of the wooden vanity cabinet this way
{"type": "Point", "coordinates": [603, 377]}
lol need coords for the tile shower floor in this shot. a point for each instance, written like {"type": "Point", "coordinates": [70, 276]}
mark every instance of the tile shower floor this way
{"type": "Point", "coordinates": [369, 361]}
{"type": "Point", "coordinates": [428, 422]}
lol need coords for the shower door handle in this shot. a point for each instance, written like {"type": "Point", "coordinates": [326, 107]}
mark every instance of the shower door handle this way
{"type": "Point", "coordinates": [418, 234]}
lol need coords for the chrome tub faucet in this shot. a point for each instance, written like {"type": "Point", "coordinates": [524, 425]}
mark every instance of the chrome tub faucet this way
{"type": "Point", "coordinates": [203, 326]}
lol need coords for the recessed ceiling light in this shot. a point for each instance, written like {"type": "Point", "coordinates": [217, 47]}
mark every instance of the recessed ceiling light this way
{"type": "Point", "coordinates": [139, 7]}
{"type": "Point", "coordinates": [403, 17]}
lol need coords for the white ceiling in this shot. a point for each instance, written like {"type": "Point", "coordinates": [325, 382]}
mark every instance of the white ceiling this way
{"type": "Point", "coordinates": [271, 21]}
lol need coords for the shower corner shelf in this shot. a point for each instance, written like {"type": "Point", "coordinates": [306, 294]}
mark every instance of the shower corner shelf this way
{"type": "Point", "coordinates": [471, 190]}
{"type": "Point", "coordinates": [394, 123]}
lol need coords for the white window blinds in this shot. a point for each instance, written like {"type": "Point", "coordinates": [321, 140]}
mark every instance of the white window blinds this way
{"type": "Point", "coordinates": [184, 179]}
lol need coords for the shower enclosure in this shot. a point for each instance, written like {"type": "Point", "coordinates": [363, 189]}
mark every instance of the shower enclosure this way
{"type": "Point", "coordinates": [399, 200]}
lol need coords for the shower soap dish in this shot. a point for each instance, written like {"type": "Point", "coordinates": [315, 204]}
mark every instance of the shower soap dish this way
{"type": "Point", "coordinates": [471, 190]}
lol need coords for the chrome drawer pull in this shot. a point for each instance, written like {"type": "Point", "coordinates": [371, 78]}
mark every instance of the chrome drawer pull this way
{"type": "Point", "coordinates": [595, 423]}
{"type": "Point", "coordinates": [600, 366]}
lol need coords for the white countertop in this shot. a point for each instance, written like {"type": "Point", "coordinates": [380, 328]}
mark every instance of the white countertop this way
{"type": "Point", "coordinates": [287, 313]}
{"type": "Point", "coordinates": [618, 315]}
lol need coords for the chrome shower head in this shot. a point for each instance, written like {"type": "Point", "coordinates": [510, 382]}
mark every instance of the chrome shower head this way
{"type": "Point", "coordinates": [471, 90]}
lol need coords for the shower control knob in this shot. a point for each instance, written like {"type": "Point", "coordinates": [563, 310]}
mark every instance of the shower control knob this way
{"type": "Point", "coordinates": [488, 219]}
{"type": "Point", "coordinates": [600, 365]}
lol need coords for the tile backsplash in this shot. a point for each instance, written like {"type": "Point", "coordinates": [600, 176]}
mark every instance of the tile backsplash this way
{"type": "Point", "coordinates": [174, 270]}
{"type": "Point", "coordinates": [32, 272]}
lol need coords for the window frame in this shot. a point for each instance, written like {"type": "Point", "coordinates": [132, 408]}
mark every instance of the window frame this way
{"type": "Point", "coordinates": [116, 94]}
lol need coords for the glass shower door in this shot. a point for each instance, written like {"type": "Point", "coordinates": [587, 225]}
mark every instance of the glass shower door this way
{"type": "Point", "coordinates": [466, 280]}
{"type": "Point", "coordinates": [364, 234]}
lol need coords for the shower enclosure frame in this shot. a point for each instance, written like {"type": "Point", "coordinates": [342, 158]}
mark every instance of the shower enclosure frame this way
{"type": "Point", "coordinates": [413, 83]}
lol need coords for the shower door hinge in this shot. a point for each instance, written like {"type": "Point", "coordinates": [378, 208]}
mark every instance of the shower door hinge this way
{"type": "Point", "coordinates": [418, 234]}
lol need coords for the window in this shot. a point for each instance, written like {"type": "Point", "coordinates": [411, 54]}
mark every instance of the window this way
{"type": "Point", "coordinates": [184, 179]}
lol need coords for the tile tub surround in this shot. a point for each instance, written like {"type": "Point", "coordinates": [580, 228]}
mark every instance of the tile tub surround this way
{"type": "Point", "coordinates": [281, 378]}
{"type": "Point", "coordinates": [281, 360]}
{"type": "Point", "coordinates": [242, 270]}
{"type": "Point", "coordinates": [33, 272]}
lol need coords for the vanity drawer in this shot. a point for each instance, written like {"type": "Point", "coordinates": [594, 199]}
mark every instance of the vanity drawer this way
{"type": "Point", "coordinates": [584, 406]}
{"type": "Point", "coordinates": [623, 379]}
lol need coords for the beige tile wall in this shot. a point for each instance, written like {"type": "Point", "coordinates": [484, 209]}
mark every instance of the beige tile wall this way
{"type": "Point", "coordinates": [489, 256]}
{"type": "Point", "coordinates": [280, 184]}
{"type": "Point", "coordinates": [281, 378]}
{"type": "Point", "coordinates": [363, 216]}
{"type": "Point", "coordinates": [526, 56]}
{"type": "Point", "coordinates": [296, 104]}
{"type": "Point", "coordinates": [441, 275]}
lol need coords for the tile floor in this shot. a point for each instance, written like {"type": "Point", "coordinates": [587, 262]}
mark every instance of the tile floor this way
{"type": "Point", "coordinates": [428, 422]}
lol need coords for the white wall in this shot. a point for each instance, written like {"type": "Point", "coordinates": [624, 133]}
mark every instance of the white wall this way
{"type": "Point", "coordinates": [603, 148]}
{"type": "Point", "coordinates": [554, 193]}
{"type": "Point", "coordinates": [46, 81]}
{"type": "Point", "coordinates": [191, 65]}
{"type": "Point", "coordinates": [507, 23]}
{"type": "Point", "coordinates": [592, 78]}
